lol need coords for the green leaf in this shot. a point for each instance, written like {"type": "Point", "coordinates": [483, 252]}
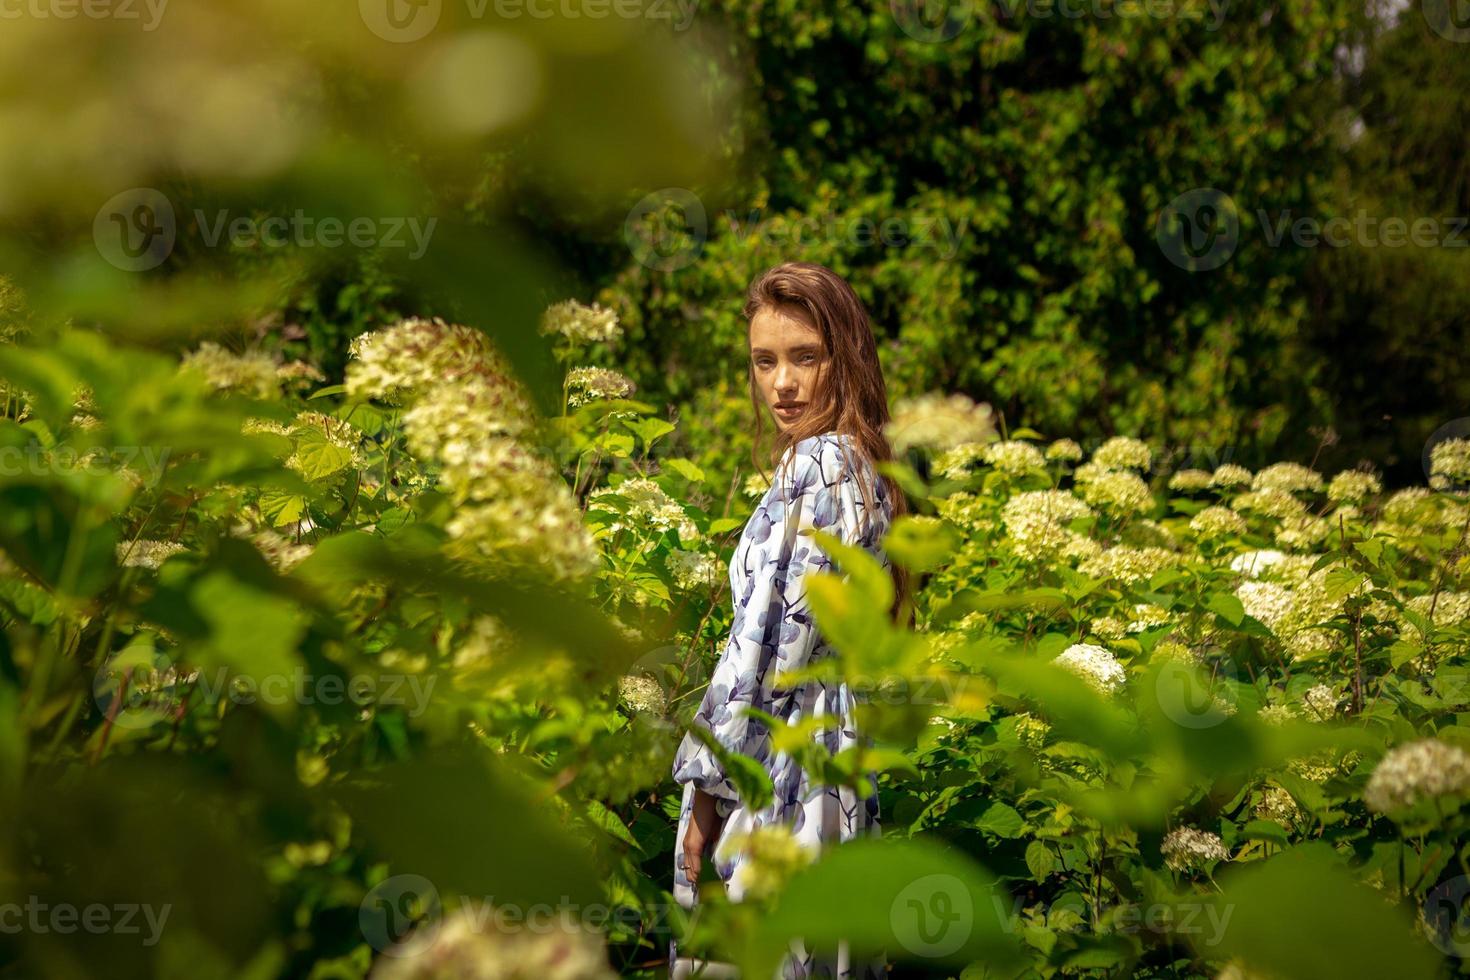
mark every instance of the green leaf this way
{"type": "Point", "coordinates": [1040, 860]}
{"type": "Point", "coordinates": [281, 507]}
{"type": "Point", "coordinates": [919, 545]}
{"type": "Point", "coordinates": [1309, 888]}
{"type": "Point", "coordinates": [1227, 606]}
{"type": "Point", "coordinates": [686, 469]}
{"type": "Point", "coordinates": [1002, 820]}
{"type": "Point", "coordinates": [317, 457]}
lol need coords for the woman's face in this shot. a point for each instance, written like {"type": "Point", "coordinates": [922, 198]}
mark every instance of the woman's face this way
{"type": "Point", "coordinates": [787, 358]}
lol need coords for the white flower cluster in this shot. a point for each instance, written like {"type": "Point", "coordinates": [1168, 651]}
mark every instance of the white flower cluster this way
{"type": "Point", "coordinates": [956, 463]}
{"type": "Point", "coordinates": [772, 855]}
{"type": "Point", "coordinates": [1421, 770]}
{"type": "Point", "coordinates": [756, 485]}
{"type": "Point", "coordinates": [276, 548]}
{"type": "Point", "coordinates": [938, 422]}
{"type": "Point", "coordinates": [1217, 522]}
{"type": "Point", "coordinates": [1353, 486]}
{"type": "Point", "coordinates": [1188, 849]}
{"type": "Point", "coordinates": [470, 944]}
{"type": "Point", "coordinates": [1123, 452]}
{"type": "Point", "coordinates": [1036, 522]}
{"type": "Point", "coordinates": [1450, 608]}
{"type": "Point", "coordinates": [1291, 477]}
{"type": "Point", "coordinates": [1449, 461]}
{"type": "Point", "coordinates": [146, 553]}
{"type": "Point", "coordinates": [1014, 457]}
{"type": "Point", "coordinates": [1276, 715]}
{"type": "Point", "coordinates": [642, 693]}
{"type": "Point", "coordinates": [693, 571]}
{"type": "Point", "coordinates": [1188, 481]}
{"type": "Point", "coordinates": [1095, 665]}
{"type": "Point", "coordinates": [1320, 702]}
{"type": "Point", "coordinates": [1271, 501]}
{"type": "Point", "coordinates": [467, 415]}
{"type": "Point", "coordinates": [1230, 475]}
{"type": "Point", "coordinates": [1127, 564]}
{"type": "Point", "coordinates": [590, 384]}
{"type": "Point", "coordinates": [581, 323]}
{"type": "Point", "coordinates": [1268, 602]}
{"type": "Point", "coordinates": [253, 374]}
{"type": "Point", "coordinates": [1064, 450]}
{"type": "Point", "coordinates": [647, 506]}
{"type": "Point", "coordinates": [1119, 493]}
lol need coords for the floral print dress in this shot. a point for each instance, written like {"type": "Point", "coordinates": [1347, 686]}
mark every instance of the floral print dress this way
{"type": "Point", "coordinates": [815, 488]}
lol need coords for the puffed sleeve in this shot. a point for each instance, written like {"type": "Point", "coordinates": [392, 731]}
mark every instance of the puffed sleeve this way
{"type": "Point", "coordinates": [773, 630]}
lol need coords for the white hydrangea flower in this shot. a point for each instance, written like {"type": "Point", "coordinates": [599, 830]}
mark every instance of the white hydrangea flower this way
{"type": "Point", "coordinates": [146, 552]}
{"type": "Point", "coordinates": [692, 570]}
{"type": "Point", "coordinates": [756, 485]}
{"type": "Point", "coordinates": [1450, 460]}
{"type": "Point", "coordinates": [1276, 715]}
{"type": "Point", "coordinates": [1065, 450]}
{"type": "Point", "coordinates": [1291, 477]}
{"type": "Point", "coordinates": [1117, 492]}
{"type": "Point", "coordinates": [642, 693]}
{"type": "Point", "coordinates": [1127, 564]}
{"type": "Point", "coordinates": [1421, 770]}
{"type": "Point", "coordinates": [1035, 522]}
{"type": "Point", "coordinates": [956, 463]}
{"type": "Point", "coordinates": [253, 373]}
{"type": "Point", "coordinates": [589, 384]}
{"type": "Point", "coordinates": [1189, 480]}
{"type": "Point", "coordinates": [1217, 522]}
{"type": "Point", "coordinates": [648, 507]}
{"type": "Point", "coordinates": [1302, 532]}
{"type": "Point", "coordinates": [1014, 457]}
{"type": "Point", "coordinates": [1230, 475]}
{"type": "Point", "coordinates": [1271, 501]}
{"type": "Point", "coordinates": [1095, 665]}
{"type": "Point", "coordinates": [1123, 452]}
{"type": "Point", "coordinates": [1108, 628]}
{"type": "Point", "coordinates": [1353, 486]}
{"type": "Point", "coordinates": [471, 943]}
{"type": "Point", "coordinates": [938, 422]}
{"type": "Point", "coordinates": [1320, 702]}
{"type": "Point", "coordinates": [581, 323]}
{"type": "Point", "coordinates": [1189, 849]}
{"type": "Point", "coordinates": [1268, 602]}
{"type": "Point", "coordinates": [1146, 615]}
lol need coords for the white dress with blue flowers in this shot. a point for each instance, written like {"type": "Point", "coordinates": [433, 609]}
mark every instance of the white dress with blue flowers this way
{"type": "Point", "coordinates": [773, 631]}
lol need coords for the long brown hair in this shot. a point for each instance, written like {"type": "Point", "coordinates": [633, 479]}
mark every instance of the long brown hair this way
{"type": "Point", "coordinates": [852, 397]}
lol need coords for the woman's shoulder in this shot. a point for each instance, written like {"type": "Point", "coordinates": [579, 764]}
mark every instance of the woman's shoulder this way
{"type": "Point", "coordinates": [829, 456]}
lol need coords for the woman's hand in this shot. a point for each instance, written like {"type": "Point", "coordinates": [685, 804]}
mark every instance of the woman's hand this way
{"type": "Point", "coordinates": [704, 826]}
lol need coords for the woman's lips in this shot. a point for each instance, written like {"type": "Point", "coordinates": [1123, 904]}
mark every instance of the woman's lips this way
{"type": "Point", "coordinates": [790, 411]}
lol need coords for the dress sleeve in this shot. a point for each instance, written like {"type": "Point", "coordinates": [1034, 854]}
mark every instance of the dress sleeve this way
{"type": "Point", "coordinates": [773, 629]}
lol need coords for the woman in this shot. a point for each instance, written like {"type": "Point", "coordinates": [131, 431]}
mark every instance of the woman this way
{"type": "Point", "coordinates": [814, 366]}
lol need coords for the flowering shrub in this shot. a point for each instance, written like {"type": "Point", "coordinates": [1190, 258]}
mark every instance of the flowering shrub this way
{"type": "Point", "coordinates": [1235, 693]}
